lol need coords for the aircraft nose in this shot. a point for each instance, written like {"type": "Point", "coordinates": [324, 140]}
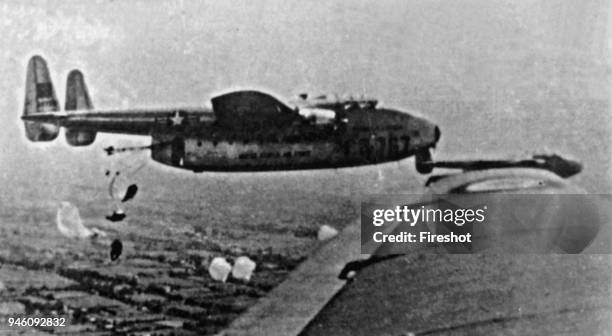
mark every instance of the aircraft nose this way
{"type": "Point", "coordinates": [424, 133]}
{"type": "Point", "coordinates": [432, 134]}
{"type": "Point", "coordinates": [573, 168]}
{"type": "Point", "coordinates": [561, 166]}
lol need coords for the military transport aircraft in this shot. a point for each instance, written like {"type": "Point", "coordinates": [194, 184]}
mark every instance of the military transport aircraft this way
{"type": "Point", "coordinates": [243, 131]}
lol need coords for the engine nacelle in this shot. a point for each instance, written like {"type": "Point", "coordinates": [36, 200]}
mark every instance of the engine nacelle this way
{"type": "Point", "coordinates": [37, 132]}
{"type": "Point", "coordinates": [80, 138]}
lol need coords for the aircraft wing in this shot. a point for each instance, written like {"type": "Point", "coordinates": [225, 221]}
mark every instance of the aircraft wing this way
{"type": "Point", "coordinates": [551, 162]}
{"type": "Point", "coordinates": [139, 122]}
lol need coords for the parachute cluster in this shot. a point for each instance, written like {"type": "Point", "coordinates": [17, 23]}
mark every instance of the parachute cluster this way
{"type": "Point", "coordinates": [121, 189]}
{"type": "Point", "coordinates": [220, 269]}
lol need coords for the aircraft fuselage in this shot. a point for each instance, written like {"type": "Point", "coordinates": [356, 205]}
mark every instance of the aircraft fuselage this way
{"type": "Point", "coordinates": [368, 136]}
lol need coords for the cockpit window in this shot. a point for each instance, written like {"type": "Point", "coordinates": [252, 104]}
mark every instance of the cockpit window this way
{"type": "Point", "coordinates": [321, 116]}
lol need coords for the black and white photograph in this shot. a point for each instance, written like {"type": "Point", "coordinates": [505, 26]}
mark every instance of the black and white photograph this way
{"type": "Point", "coordinates": [291, 167]}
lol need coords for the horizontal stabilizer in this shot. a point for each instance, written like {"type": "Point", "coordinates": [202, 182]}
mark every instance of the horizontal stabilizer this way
{"type": "Point", "coordinates": [45, 117]}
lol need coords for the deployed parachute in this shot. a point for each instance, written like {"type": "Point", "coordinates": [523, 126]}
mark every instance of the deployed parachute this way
{"type": "Point", "coordinates": [119, 188]}
{"type": "Point", "coordinates": [123, 170]}
{"type": "Point", "coordinates": [122, 173]}
{"type": "Point", "coordinates": [219, 269]}
{"type": "Point", "coordinates": [243, 268]}
{"type": "Point", "coordinates": [69, 222]}
{"type": "Point", "coordinates": [117, 216]}
{"type": "Point", "coordinates": [116, 249]}
{"type": "Point", "coordinates": [130, 192]}
{"type": "Point", "coordinates": [119, 194]}
{"type": "Point", "coordinates": [326, 232]}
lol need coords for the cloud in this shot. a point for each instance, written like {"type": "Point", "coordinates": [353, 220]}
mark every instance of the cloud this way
{"type": "Point", "coordinates": [28, 28]}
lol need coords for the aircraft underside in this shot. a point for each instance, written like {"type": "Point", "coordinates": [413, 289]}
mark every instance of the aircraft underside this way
{"type": "Point", "coordinates": [206, 155]}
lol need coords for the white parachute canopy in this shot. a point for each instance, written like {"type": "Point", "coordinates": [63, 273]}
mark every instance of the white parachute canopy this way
{"type": "Point", "coordinates": [219, 269]}
{"type": "Point", "coordinates": [69, 222]}
{"type": "Point", "coordinates": [243, 268]}
{"type": "Point", "coordinates": [326, 232]}
{"type": "Point", "coordinates": [118, 186]}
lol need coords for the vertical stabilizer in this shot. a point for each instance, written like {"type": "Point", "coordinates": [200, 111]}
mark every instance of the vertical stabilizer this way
{"type": "Point", "coordinates": [39, 97]}
{"type": "Point", "coordinates": [77, 98]}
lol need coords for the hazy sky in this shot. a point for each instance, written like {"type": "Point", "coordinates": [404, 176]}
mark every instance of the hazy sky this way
{"type": "Point", "coordinates": [144, 53]}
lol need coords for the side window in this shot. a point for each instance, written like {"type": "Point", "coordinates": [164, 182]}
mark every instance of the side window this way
{"type": "Point", "coordinates": [347, 147]}
{"type": "Point", "coordinates": [405, 143]}
{"type": "Point", "coordinates": [364, 147]}
{"type": "Point", "coordinates": [380, 144]}
{"type": "Point", "coordinates": [267, 155]}
{"type": "Point", "coordinates": [381, 147]}
{"type": "Point", "coordinates": [247, 155]}
{"type": "Point", "coordinates": [393, 145]}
